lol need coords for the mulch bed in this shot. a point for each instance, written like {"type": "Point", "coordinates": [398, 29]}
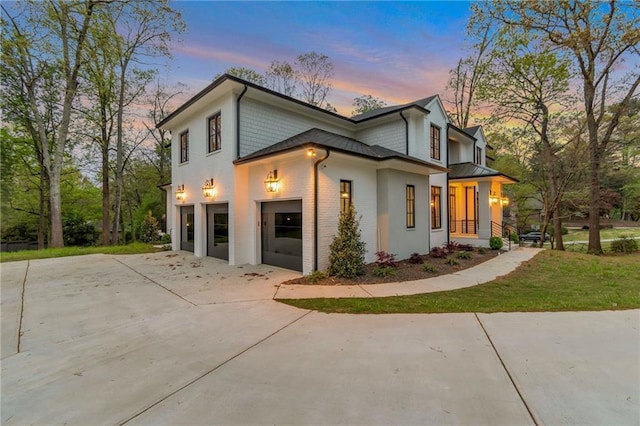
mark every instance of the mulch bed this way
{"type": "Point", "coordinates": [406, 271]}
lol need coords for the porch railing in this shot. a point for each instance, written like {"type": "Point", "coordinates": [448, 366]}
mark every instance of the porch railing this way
{"type": "Point", "coordinates": [463, 226]}
{"type": "Point", "coordinates": [504, 231]}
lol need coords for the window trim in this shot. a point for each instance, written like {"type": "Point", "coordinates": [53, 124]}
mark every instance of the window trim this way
{"type": "Point", "coordinates": [410, 206]}
{"type": "Point", "coordinates": [184, 147]}
{"type": "Point", "coordinates": [436, 207]}
{"type": "Point", "coordinates": [435, 148]}
{"type": "Point", "coordinates": [478, 155]}
{"type": "Point", "coordinates": [346, 202]}
{"type": "Point", "coordinates": [217, 146]}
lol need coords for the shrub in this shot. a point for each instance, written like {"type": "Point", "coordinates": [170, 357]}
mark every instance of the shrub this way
{"type": "Point", "coordinates": [495, 243]}
{"type": "Point", "coordinates": [464, 255]}
{"type": "Point", "coordinates": [428, 267]}
{"type": "Point", "coordinates": [150, 229]}
{"type": "Point", "coordinates": [482, 250]}
{"type": "Point", "coordinates": [416, 259]}
{"type": "Point", "coordinates": [384, 271]}
{"type": "Point", "coordinates": [514, 238]}
{"type": "Point", "coordinates": [624, 244]}
{"type": "Point", "coordinates": [451, 246]}
{"type": "Point", "coordinates": [451, 261]}
{"type": "Point", "coordinates": [316, 276]}
{"type": "Point", "coordinates": [346, 257]}
{"type": "Point", "coordinates": [465, 247]}
{"type": "Point", "coordinates": [77, 231]}
{"type": "Point", "coordinates": [384, 259]}
{"type": "Point", "coordinates": [165, 239]}
{"type": "Point", "coordinates": [438, 253]}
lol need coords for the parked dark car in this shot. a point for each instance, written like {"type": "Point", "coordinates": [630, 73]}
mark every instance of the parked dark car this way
{"type": "Point", "coordinates": [534, 236]}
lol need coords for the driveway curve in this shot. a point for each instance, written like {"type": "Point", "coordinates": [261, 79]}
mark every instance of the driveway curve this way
{"type": "Point", "coordinates": [168, 338]}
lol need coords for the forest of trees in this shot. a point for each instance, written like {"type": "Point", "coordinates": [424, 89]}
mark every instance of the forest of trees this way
{"type": "Point", "coordinates": [81, 93]}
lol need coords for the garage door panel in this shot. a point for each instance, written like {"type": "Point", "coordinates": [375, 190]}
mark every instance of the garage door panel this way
{"type": "Point", "coordinates": [282, 234]}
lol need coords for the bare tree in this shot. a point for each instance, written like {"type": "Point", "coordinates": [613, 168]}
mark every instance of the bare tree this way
{"type": "Point", "coordinates": [315, 72]}
{"type": "Point", "coordinates": [282, 77]}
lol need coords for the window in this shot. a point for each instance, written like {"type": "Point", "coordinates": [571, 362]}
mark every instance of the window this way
{"type": "Point", "coordinates": [435, 142]}
{"type": "Point", "coordinates": [345, 195]}
{"type": "Point", "coordinates": [184, 147]}
{"type": "Point", "coordinates": [478, 155]}
{"type": "Point", "coordinates": [215, 134]}
{"type": "Point", "coordinates": [411, 206]}
{"type": "Point", "coordinates": [436, 213]}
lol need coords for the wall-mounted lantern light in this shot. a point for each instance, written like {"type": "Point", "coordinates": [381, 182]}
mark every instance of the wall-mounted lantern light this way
{"type": "Point", "coordinates": [493, 198]}
{"type": "Point", "coordinates": [180, 194]}
{"type": "Point", "coordinates": [209, 189]}
{"type": "Point", "coordinates": [311, 153]}
{"type": "Point", "coordinates": [504, 201]}
{"type": "Point", "coordinates": [271, 184]}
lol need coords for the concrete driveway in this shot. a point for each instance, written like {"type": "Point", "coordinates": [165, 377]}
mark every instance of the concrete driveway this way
{"type": "Point", "coordinates": [168, 338]}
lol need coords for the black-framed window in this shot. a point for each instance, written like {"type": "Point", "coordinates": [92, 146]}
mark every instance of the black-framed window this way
{"type": "Point", "coordinates": [436, 207]}
{"type": "Point", "coordinates": [478, 155]}
{"type": "Point", "coordinates": [411, 206]}
{"type": "Point", "coordinates": [184, 146]}
{"type": "Point", "coordinates": [345, 195]}
{"type": "Point", "coordinates": [435, 142]}
{"type": "Point", "coordinates": [215, 133]}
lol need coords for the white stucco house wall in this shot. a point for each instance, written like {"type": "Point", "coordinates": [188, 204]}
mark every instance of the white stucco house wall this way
{"type": "Point", "coordinates": [259, 177]}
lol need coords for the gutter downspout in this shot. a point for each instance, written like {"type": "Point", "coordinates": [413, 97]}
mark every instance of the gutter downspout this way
{"type": "Point", "coordinates": [238, 121]}
{"type": "Point", "coordinates": [448, 195]}
{"type": "Point", "coordinates": [315, 208]}
{"type": "Point", "coordinates": [406, 126]}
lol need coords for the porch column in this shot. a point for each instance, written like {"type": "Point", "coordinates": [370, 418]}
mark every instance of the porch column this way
{"type": "Point", "coordinates": [484, 211]}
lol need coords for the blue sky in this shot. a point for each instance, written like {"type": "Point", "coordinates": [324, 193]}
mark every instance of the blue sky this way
{"type": "Point", "coordinates": [398, 51]}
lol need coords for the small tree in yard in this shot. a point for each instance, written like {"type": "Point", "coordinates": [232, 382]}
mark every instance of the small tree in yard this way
{"type": "Point", "coordinates": [347, 248]}
{"type": "Point", "coordinates": [150, 229]}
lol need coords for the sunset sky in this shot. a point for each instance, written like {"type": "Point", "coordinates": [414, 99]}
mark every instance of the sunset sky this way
{"type": "Point", "coordinates": [397, 51]}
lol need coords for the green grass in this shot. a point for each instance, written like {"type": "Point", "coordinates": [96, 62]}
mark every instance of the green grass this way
{"type": "Point", "coordinates": [133, 248]}
{"type": "Point", "coordinates": [605, 234]}
{"type": "Point", "coordinates": [551, 281]}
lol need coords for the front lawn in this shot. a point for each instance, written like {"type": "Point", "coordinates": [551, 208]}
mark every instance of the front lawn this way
{"type": "Point", "coordinates": [133, 248]}
{"type": "Point", "coordinates": [551, 281]}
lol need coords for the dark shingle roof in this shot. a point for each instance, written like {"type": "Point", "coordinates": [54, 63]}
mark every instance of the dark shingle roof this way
{"type": "Point", "coordinates": [471, 130]}
{"type": "Point", "coordinates": [472, 170]}
{"type": "Point", "coordinates": [420, 103]}
{"type": "Point", "coordinates": [323, 139]}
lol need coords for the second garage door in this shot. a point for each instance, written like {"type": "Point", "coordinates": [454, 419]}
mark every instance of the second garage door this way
{"type": "Point", "coordinates": [282, 234]}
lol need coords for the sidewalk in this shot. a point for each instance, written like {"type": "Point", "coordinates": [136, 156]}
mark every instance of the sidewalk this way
{"type": "Point", "coordinates": [485, 272]}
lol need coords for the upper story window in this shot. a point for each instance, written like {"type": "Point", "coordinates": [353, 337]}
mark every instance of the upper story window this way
{"type": "Point", "coordinates": [345, 195]}
{"type": "Point", "coordinates": [435, 142]}
{"type": "Point", "coordinates": [478, 155]}
{"type": "Point", "coordinates": [411, 206]}
{"type": "Point", "coordinates": [184, 146]}
{"type": "Point", "coordinates": [215, 133]}
{"type": "Point", "coordinates": [436, 210]}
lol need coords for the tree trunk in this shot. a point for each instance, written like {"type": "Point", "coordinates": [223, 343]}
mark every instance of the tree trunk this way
{"type": "Point", "coordinates": [595, 246]}
{"type": "Point", "coordinates": [42, 225]}
{"type": "Point", "coordinates": [557, 230]}
{"type": "Point", "coordinates": [106, 202]}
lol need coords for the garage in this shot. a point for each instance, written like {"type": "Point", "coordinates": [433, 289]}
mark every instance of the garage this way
{"type": "Point", "coordinates": [282, 234]}
{"type": "Point", "coordinates": [218, 231]}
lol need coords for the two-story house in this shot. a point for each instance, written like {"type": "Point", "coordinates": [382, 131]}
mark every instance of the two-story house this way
{"type": "Point", "coordinates": [260, 177]}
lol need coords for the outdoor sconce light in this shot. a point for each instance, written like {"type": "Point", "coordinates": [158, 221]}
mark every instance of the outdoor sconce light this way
{"type": "Point", "coordinates": [493, 198]}
{"type": "Point", "coordinates": [504, 201]}
{"type": "Point", "coordinates": [271, 184]}
{"type": "Point", "coordinates": [180, 195]}
{"type": "Point", "coordinates": [311, 153]}
{"type": "Point", "coordinates": [209, 190]}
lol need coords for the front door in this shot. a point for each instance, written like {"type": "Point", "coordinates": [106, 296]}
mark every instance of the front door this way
{"type": "Point", "coordinates": [282, 234]}
{"type": "Point", "coordinates": [186, 228]}
{"type": "Point", "coordinates": [218, 231]}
